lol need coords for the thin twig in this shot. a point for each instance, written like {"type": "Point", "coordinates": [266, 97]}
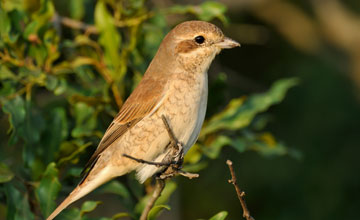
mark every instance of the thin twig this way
{"type": "Point", "coordinates": [180, 172]}
{"type": "Point", "coordinates": [239, 192]}
{"type": "Point", "coordinates": [75, 24]}
{"type": "Point", "coordinates": [92, 29]}
{"type": "Point", "coordinates": [159, 187]}
{"type": "Point", "coordinates": [158, 164]}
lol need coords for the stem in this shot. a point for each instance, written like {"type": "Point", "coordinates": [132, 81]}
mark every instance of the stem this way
{"type": "Point", "coordinates": [239, 192]}
{"type": "Point", "coordinates": [159, 187]}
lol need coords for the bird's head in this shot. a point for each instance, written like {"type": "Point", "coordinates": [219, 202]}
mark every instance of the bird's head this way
{"type": "Point", "coordinates": [191, 46]}
{"type": "Point", "coordinates": [195, 44]}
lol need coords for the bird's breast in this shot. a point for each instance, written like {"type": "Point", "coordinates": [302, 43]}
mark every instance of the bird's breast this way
{"type": "Point", "coordinates": [185, 106]}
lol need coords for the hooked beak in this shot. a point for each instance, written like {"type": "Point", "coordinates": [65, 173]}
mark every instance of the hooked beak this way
{"type": "Point", "coordinates": [227, 43]}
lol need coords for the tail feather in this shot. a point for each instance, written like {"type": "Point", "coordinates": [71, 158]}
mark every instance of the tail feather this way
{"type": "Point", "coordinates": [83, 189]}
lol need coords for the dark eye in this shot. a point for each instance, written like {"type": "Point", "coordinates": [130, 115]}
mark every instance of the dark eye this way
{"type": "Point", "coordinates": [199, 39]}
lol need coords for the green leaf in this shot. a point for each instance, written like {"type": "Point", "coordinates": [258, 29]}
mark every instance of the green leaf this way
{"type": "Point", "coordinates": [165, 195]}
{"type": "Point", "coordinates": [88, 206]}
{"type": "Point", "coordinates": [56, 132]}
{"type": "Point", "coordinates": [213, 150]}
{"type": "Point", "coordinates": [5, 173]}
{"type": "Point", "coordinates": [210, 10]}
{"type": "Point", "coordinates": [48, 189]}
{"type": "Point", "coordinates": [51, 82]}
{"type": "Point", "coordinates": [180, 9]}
{"type": "Point", "coordinates": [109, 37]}
{"type": "Point", "coordinates": [86, 121]}
{"type": "Point", "coordinates": [11, 5]}
{"type": "Point", "coordinates": [196, 167]}
{"type": "Point", "coordinates": [120, 215]}
{"type": "Point", "coordinates": [5, 25]}
{"type": "Point", "coordinates": [18, 204]}
{"type": "Point", "coordinates": [263, 143]}
{"type": "Point", "coordinates": [70, 214]}
{"type": "Point", "coordinates": [7, 89]}
{"type": "Point", "coordinates": [39, 53]}
{"type": "Point", "coordinates": [45, 13]}
{"type": "Point", "coordinates": [33, 124]}
{"type": "Point", "coordinates": [31, 28]}
{"type": "Point", "coordinates": [154, 32]}
{"type": "Point", "coordinates": [70, 151]}
{"type": "Point", "coordinates": [78, 214]}
{"type": "Point", "coordinates": [117, 188]}
{"type": "Point", "coordinates": [193, 155]}
{"type": "Point", "coordinates": [61, 88]}
{"type": "Point", "coordinates": [206, 11]}
{"type": "Point", "coordinates": [220, 216]}
{"type": "Point", "coordinates": [5, 73]}
{"type": "Point", "coordinates": [15, 108]}
{"type": "Point", "coordinates": [239, 113]}
{"type": "Point", "coordinates": [40, 19]}
{"type": "Point", "coordinates": [155, 211]}
{"type": "Point", "coordinates": [77, 9]}
{"type": "Point", "coordinates": [51, 41]}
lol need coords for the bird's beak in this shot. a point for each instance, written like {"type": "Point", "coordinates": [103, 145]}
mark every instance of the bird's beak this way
{"type": "Point", "coordinates": [227, 43]}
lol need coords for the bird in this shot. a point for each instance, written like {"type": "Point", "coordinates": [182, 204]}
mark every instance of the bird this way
{"type": "Point", "coordinates": [175, 85]}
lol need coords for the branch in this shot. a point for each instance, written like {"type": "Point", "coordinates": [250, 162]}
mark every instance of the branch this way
{"type": "Point", "coordinates": [92, 29]}
{"type": "Point", "coordinates": [239, 192]}
{"type": "Point", "coordinates": [159, 187]}
{"type": "Point", "coordinates": [75, 24]}
{"type": "Point", "coordinates": [157, 164]}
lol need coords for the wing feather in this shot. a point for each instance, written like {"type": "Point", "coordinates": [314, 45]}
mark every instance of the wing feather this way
{"type": "Point", "coordinates": [145, 99]}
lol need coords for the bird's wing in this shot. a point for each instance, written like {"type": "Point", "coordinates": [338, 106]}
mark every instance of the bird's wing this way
{"type": "Point", "coordinates": [143, 101]}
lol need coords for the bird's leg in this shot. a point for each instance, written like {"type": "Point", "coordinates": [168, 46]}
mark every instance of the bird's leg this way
{"type": "Point", "coordinates": [173, 160]}
{"type": "Point", "coordinates": [175, 156]}
{"type": "Point", "coordinates": [178, 155]}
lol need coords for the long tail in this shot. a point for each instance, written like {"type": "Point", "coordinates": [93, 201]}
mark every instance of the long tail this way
{"type": "Point", "coordinates": [84, 188]}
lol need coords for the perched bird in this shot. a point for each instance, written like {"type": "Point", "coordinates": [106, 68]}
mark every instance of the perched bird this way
{"type": "Point", "coordinates": [174, 85]}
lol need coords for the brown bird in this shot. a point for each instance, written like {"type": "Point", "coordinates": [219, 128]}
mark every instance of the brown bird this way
{"type": "Point", "coordinates": [174, 85]}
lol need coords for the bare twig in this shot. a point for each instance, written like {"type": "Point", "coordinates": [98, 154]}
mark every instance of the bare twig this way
{"type": "Point", "coordinates": [180, 172]}
{"type": "Point", "coordinates": [158, 164]}
{"type": "Point", "coordinates": [159, 187]}
{"type": "Point", "coordinates": [92, 29]}
{"type": "Point", "coordinates": [75, 24]}
{"type": "Point", "coordinates": [239, 192]}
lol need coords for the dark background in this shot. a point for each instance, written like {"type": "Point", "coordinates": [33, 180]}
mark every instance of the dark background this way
{"type": "Point", "coordinates": [319, 117]}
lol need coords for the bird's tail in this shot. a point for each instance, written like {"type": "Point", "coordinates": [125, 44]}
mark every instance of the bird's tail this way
{"type": "Point", "coordinates": [82, 189]}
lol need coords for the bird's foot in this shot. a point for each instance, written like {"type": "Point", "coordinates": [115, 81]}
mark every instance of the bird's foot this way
{"type": "Point", "coordinates": [175, 156]}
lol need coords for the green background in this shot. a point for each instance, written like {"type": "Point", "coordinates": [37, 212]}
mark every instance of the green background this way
{"type": "Point", "coordinates": [292, 128]}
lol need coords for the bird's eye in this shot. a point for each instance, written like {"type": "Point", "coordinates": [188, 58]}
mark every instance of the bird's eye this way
{"type": "Point", "coordinates": [199, 39]}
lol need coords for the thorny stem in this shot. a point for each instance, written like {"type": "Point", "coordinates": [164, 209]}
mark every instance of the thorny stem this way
{"type": "Point", "coordinates": [239, 192]}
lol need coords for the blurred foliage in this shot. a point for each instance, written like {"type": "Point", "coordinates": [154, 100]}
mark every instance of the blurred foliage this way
{"type": "Point", "coordinates": [64, 75]}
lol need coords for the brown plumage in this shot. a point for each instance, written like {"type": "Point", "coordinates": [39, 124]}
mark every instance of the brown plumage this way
{"type": "Point", "coordinates": [174, 85]}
